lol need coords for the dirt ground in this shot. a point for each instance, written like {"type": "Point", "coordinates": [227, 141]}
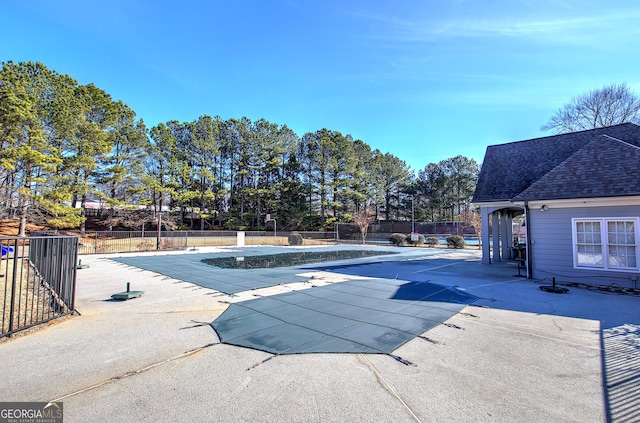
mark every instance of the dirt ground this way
{"type": "Point", "coordinates": [9, 227]}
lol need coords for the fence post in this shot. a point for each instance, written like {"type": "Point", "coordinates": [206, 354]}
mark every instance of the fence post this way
{"type": "Point", "coordinates": [159, 229]}
{"type": "Point", "coordinates": [13, 285]}
{"type": "Point", "coordinates": [76, 247]}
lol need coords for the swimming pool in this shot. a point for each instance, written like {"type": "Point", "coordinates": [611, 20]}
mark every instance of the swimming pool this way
{"type": "Point", "coordinates": [288, 259]}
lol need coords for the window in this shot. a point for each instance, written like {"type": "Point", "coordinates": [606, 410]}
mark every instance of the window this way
{"type": "Point", "coordinates": [610, 244]}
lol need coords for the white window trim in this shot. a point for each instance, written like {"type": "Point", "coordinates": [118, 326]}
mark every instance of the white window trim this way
{"type": "Point", "coordinates": [605, 245]}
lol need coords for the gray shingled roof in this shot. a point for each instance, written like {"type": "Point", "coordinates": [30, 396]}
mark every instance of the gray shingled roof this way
{"type": "Point", "coordinates": [596, 163]}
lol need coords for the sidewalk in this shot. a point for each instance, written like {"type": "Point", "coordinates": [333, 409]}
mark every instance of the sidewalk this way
{"type": "Point", "coordinates": [155, 358]}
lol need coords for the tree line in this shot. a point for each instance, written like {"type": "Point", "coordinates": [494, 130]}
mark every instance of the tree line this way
{"type": "Point", "coordinates": [63, 144]}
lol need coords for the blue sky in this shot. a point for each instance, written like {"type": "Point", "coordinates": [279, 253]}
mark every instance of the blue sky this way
{"type": "Point", "coordinates": [423, 80]}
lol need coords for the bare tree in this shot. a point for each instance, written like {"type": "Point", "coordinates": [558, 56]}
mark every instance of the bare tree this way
{"type": "Point", "coordinates": [611, 105]}
{"type": "Point", "coordinates": [363, 219]}
{"type": "Point", "coordinates": [133, 219]}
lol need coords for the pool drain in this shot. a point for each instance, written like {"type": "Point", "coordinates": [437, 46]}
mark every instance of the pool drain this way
{"type": "Point", "coordinates": [127, 295]}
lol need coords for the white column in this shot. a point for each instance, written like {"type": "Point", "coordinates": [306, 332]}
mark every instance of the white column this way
{"type": "Point", "coordinates": [495, 233]}
{"type": "Point", "coordinates": [506, 232]}
{"type": "Point", "coordinates": [486, 246]}
{"type": "Point", "coordinates": [509, 235]}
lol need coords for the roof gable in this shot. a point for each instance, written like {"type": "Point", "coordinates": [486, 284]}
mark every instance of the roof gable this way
{"type": "Point", "coordinates": [508, 170]}
{"type": "Point", "coordinates": [603, 168]}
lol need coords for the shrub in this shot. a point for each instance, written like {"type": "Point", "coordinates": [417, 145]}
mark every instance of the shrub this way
{"type": "Point", "coordinates": [432, 241]}
{"type": "Point", "coordinates": [420, 240]}
{"type": "Point", "coordinates": [455, 241]}
{"type": "Point", "coordinates": [398, 239]}
{"type": "Point", "coordinates": [295, 239]}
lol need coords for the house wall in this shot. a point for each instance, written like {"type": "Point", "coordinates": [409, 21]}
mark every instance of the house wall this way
{"type": "Point", "coordinates": [552, 245]}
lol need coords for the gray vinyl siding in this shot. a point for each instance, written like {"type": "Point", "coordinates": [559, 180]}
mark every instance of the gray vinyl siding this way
{"type": "Point", "coordinates": [552, 245]}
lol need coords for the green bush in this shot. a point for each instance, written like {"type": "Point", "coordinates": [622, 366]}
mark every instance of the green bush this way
{"type": "Point", "coordinates": [420, 240]}
{"type": "Point", "coordinates": [455, 241]}
{"type": "Point", "coordinates": [432, 241]}
{"type": "Point", "coordinates": [295, 239]}
{"type": "Point", "coordinates": [398, 239]}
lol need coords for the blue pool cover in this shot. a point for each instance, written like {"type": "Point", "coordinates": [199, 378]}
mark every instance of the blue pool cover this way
{"type": "Point", "coordinates": [191, 268]}
{"type": "Point", "coordinates": [389, 306]}
{"type": "Point", "coordinates": [194, 268]}
{"type": "Point", "coordinates": [357, 316]}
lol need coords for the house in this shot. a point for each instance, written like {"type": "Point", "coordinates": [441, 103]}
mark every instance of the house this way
{"type": "Point", "coordinates": [579, 194]}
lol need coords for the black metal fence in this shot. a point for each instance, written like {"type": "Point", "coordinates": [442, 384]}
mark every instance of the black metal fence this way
{"type": "Point", "coordinates": [104, 242]}
{"type": "Point", "coordinates": [37, 280]}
